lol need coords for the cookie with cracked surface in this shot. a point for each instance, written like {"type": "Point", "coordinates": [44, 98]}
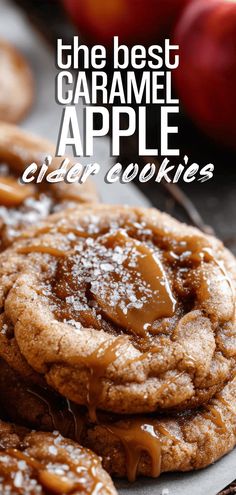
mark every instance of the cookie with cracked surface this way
{"type": "Point", "coordinates": [43, 463]}
{"type": "Point", "coordinates": [122, 309]}
{"type": "Point", "coordinates": [130, 446]}
{"type": "Point", "coordinates": [185, 442]}
{"type": "Point", "coordinates": [16, 84]}
{"type": "Point", "coordinates": [25, 204]}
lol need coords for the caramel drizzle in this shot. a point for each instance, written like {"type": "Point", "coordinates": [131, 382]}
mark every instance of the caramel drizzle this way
{"type": "Point", "coordinates": [78, 419]}
{"type": "Point", "coordinates": [65, 230]}
{"type": "Point", "coordinates": [59, 483]}
{"type": "Point", "coordinates": [225, 403]}
{"type": "Point", "coordinates": [50, 229]}
{"type": "Point", "coordinates": [166, 433]}
{"type": "Point", "coordinates": [17, 454]}
{"type": "Point", "coordinates": [12, 193]}
{"type": "Point", "coordinates": [137, 438]}
{"type": "Point", "coordinates": [42, 249]}
{"type": "Point", "coordinates": [97, 363]}
{"type": "Point", "coordinates": [137, 359]}
{"type": "Point", "coordinates": [216, 418]}
{"type": "Point", "coordinates": [191, 249]}
{"type": "Point", "coordinates": [77, 233]}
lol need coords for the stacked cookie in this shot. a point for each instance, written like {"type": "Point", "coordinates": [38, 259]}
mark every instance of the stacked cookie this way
{"type": "Point", "coordinates": [118, 331]}
{"type": "Point", "coordinates": [36, 462]}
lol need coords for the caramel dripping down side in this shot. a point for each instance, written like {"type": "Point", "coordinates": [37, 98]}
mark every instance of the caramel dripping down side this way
{"type": "Point", "coordinates": [12, 193]}
{"type": "Point", "coordinates": [137, 438]}
{"type": "Point", "coordinates": [97, 364]}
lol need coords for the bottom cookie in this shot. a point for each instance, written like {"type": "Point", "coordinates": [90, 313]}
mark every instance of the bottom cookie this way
{"type": "Point", "coordinates": [131, 446]}
{"type": "Point", "coordinates": [37, 463]}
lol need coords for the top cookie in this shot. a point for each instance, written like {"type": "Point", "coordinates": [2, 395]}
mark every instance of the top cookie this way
{"type": "Point", "coordinates": [123, 309]}
{"type": "Point", "coordinates": [22, 205]}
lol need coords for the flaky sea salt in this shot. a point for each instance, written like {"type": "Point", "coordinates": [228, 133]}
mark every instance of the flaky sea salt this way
{"type": "Point", "coordinates": [52, 450]}
{"type": "Point", "coordinates": [31, 210]}
{"type": "Point", "coordinates": [4, 329]}
{"type": "Point", "coordinates": [107, 267]}
{"type": "Point", "coordinates": [18, 479]}
{"type": "Point", "coordinates": [74, 323]}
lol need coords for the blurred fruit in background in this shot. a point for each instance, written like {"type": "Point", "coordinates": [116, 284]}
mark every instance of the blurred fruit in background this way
{"type": "Point", "coordinates": [205, 30]}
{"type": "Point", "coordinates": [16, 84]}
{"type": "Point", "coordinates": [134, 21]}
{"type": "Point", "coordinates": [206, 77]}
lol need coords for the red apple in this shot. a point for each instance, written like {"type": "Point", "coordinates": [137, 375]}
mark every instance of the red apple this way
{"type": "Point", "coordinates": [134, 21]}
{"type": "Point", "coordinates": [206, 77]}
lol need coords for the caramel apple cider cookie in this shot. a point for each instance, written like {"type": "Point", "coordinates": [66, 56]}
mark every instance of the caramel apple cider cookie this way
{"type": "Point", "coordinates": [25, 204]}
{"type": "Point", "coordinates": [16, 84]}
{"type": "Point", "coordinates": [41, 463]}
{"type": "Point", "coordinates": [122, 309]}
{"type": "Point", "coordinates": [130, 446]}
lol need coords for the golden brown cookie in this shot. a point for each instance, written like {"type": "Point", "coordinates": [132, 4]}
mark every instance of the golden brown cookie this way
{"type": "Point", "coordinates": [16, 84]}
{"type": "Point", "coordinates": [185, 442]}
{"type": "Point", "coordinates": [41, 463]}
{"type": "Point", "coordinates": [122, 309]}
{"type": "Point", "coordinates": [130, 446]}
{"type": "Point", "coordinates": [20, 204]}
